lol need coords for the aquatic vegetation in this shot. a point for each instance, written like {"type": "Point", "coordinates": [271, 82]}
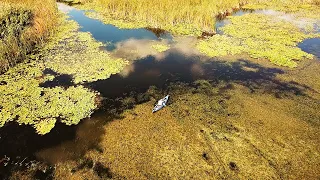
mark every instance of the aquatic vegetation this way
{"type": "Point", "coordinates": [45, 126]}
{"type": "Point", "coordinates": [93, 65]}
{"type": "Point", "coordinates": [68, 52]}
{"type": "Point", "coordinates": [160, 47]}
{"type": "Point", "coordinates": [23, 26]}
{"type": "Point", "coordinates": [79, 55]}
{"type": "Point", "coordinates": [301, 9]}
{"type": "Point", "coordinates": [24, 101]}
{"type": "Point", "coordinates": [261, 37]}
{"type": "Point", "coordinates": [204, 133]}
{"type": "Point", "coordinates": [220, 45]}
{"type": "Point", "coordinates": [179, 17]}
{"type": "Point", "coordinates": [179, 29]}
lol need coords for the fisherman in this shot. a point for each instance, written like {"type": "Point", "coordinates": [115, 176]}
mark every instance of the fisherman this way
{"type": "Point", "coordinates": [161, 102]}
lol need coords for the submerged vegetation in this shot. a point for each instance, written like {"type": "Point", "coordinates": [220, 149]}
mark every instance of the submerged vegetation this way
{"type": "Point", "coordinates": [207, 131]}
{"type": "Point", "coordinates": [80, 56]}
{"type": "Point", "coordinates": [267, 37]}
{"type": "Point", "coordinates": [261, 36]}
{"type": "Point", "coordinates": [23, 100]}
{"type": "Point", "coordinates": [160, 47]}
{"type": "Point", "coordinates": [23, 26]}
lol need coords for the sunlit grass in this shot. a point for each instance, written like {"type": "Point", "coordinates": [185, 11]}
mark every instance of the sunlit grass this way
{"type": "Point", "coordinates": [160, 47]}
{"type": "Point", "coordinates": [186, 17]}
{"type": "Point", "coordinates": [24, 101]}
{"type": "Point", "coordinates": [180, 17]}
{"type": "Point", "coordinates": [24, 25]}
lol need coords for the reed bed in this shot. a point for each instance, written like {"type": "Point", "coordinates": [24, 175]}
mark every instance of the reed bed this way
{"type": "Point", "coordinates": [195, 15]}
{"type": "Point", "coordinates": [191, 17]}
{"type": "Point", "coordinates": [24, 25]}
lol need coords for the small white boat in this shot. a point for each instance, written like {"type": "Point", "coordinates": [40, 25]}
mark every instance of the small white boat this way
{"type": "Point", "coordinates": [161, 103]}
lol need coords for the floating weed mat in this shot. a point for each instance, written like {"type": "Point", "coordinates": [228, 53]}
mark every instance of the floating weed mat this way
{"type": "Point", "coordinates": [70, 53]}
{"type": "Point", "coordinates": [79, 55]}
{"type": "Point", "coordinates": [178, 29]}
{"type": "Point", "coordinates": [160, 47]}
{"type": "Point", "coordinates": [24, 25]}
{"type": "Point", "coordinates": [24, 101]}
{"type": "Point", "coordinates": [261, 37]}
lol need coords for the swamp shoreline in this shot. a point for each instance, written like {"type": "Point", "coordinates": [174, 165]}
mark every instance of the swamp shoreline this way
{"type": "Point", "coordinates": [231, 115]}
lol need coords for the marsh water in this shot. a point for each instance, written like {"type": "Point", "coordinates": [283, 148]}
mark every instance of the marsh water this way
{"type": "Point", "coordinates": [110, 34]}
{"type": "Point", "coordinates": [20, 144]}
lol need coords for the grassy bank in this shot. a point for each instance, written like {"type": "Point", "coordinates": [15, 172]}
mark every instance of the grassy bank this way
{"type": "Point", "coordinates": [190, 17]}
{"type": "Point", "coordinates": [180, 17]}
{"type": "Point", "coordinates": [23, 26]}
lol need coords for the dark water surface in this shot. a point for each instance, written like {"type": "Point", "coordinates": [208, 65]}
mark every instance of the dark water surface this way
{"type": "Point", "coordinates": [20, 144]}
{"type": "Point", "coordinates": [311, 46]}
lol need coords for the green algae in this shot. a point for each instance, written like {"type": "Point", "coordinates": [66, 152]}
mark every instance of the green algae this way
{"type": "Point", "coordinates": [208, 130]}
{"type": "Point", "coordinates": [261, 37]}
{"type": "Point", "coordinates": [79, 55]}
{"type": "Point", "coordinates": [120, 23]}
{"type": "Point", "coordinates": [220, 45]}
{"type": "Point", "coordinates": [93, 65]}
{"type": "Point", "coordinates": [69, 52]}
{"type": "Point", "coordinates": [160, 47]}
{"type": "Point", "coordinates": [24, 101]}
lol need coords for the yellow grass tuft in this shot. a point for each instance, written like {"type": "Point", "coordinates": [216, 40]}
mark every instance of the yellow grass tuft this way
{"type": "Point", "coordinates": [24, 25]}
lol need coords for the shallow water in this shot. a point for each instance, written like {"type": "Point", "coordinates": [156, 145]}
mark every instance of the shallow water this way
{"type": "Point", "coordinates": [22, 145]}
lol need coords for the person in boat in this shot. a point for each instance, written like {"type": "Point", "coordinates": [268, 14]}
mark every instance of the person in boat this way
{"type": "Point", "coordinates": [161, 103]}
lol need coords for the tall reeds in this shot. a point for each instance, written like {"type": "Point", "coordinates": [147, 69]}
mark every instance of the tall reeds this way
{"type": "Point", "coordinates": [24, 25]}
{"type": "Point", "coordinates": [162, 13]}
{"type": "Point", "coordinates": [170, 14]}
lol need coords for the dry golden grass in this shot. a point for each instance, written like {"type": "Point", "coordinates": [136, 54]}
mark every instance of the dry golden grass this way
{"type": "Point", "coordinates": [24, 25]}
{"type": "Point", "coordinates": [179, 16]}
{"type": "Point", "coordinates": [189, 17]}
